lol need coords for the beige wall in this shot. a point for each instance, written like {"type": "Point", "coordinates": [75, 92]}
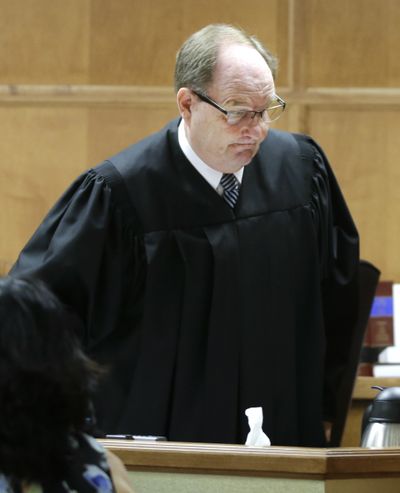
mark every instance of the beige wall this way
{"type": "Point", "coordinates": [81, 79]}
{"type": "Point", "coordinates": [148, 482]}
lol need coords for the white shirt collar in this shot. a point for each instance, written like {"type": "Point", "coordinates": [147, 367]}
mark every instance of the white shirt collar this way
{"type": "Point", "coordinates": [212, 176]}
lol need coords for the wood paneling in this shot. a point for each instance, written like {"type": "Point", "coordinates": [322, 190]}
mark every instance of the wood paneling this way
{"type": "Point", "coordinates": [42, 150]}
{"type": "Point", "coordinates": [126, 42]}
{"type": "Point", "coordinates": [352, 43]}
{"type": "Point", "coordinates": [363, 148]}
{"type": "Point", "coordinates": [44, 41]}
{"type": "Point", "coordinates": [135, 42]}
{"type": "Point", "coordinates": [109, 67]}
{"type": "Point", "coordinates": [242, 460]}
{"type": "Point", "coordinates": [114, 128]}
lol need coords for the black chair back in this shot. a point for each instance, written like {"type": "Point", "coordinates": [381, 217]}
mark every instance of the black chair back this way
{"type": "Point", "coordinates": [368, 278]}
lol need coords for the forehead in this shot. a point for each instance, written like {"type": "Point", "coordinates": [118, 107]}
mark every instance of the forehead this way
{"type": "Point", "coordinates": [242, 69]}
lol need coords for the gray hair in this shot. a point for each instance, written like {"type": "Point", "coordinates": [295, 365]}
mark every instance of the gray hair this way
{"type": "Point", "coordinates": [197, 57]}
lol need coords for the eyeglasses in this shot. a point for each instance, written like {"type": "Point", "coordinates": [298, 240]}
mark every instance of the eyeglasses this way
{"type": "Point", "coordinates": [275, 109]}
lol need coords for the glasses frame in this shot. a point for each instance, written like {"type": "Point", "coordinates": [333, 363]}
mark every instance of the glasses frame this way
{"type": "Point", "coordinates": [252, 113]}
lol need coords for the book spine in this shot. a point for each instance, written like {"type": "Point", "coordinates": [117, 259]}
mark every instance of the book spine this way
{"type": "Point", "coordinates": [380, 324]}
{"type": "Point", "coordinates": [365, 370]}
{"type": "Point", "coordinates": [379, 333]}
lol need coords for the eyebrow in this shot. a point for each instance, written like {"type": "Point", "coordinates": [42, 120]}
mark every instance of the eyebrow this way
{"type": "Point", "coordinates": [244, 108]}
{"type": "Point", "coordinates": [241, 103]}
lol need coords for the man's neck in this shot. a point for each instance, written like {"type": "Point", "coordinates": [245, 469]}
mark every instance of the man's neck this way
{"type": "Point", "coordinates": [211, 175]}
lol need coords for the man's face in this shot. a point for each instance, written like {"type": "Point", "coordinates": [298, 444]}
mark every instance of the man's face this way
{"type": "Point", "coordinates": [242, 81]}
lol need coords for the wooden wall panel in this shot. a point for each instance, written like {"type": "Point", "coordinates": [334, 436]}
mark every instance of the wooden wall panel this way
{"type": "Point", "coordinates": [109, 67]}
{"type": "Point", "coordinates": [44, 41]}
{"type": "Point", "coordinates": [113, 128]}
{"type": "Point", "coordinates": [5, 266]}
{"type": "Point", "coordinates": [126, 42]}
{"type": "Point", "coordinates": [362, 146]}
{"type": "Point", "coordinates": [42, 150]}
{"type": "Point", "coordinates": [135, 42]}
{"type": "Point", "coordinates": [353, 43]}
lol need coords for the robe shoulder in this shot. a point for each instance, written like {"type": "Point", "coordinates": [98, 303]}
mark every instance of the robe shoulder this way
{"type": "Point", "coordinates": [86, 250]}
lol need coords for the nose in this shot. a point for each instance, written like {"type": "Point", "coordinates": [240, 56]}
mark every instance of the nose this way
{"type": "Point", "coordinates": [256, 127]}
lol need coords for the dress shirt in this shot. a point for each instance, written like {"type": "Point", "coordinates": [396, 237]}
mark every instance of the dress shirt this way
{"type": "Point", "coordinates": [211, 175]}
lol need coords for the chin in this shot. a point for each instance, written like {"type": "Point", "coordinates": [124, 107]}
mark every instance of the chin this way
{"type": "Point", "coordinates": [245, 157]}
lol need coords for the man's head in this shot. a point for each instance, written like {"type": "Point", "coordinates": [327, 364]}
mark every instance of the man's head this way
{"type": "Point", "coordinates": [232, 69]}
{"type": "Point", "coordinates": [197, 57]}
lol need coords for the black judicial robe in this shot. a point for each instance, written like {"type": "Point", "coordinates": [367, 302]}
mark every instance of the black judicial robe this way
{"type": "Point", "coordinates": [200, 311]}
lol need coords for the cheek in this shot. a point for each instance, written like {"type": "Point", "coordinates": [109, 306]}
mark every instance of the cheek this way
{"type": "Point", "coordinates": [263, 134]}
{"type": "Point", "coordinates": [260, 132]}
{"type": "Point", "coordinates": [224, 140]}
{"type": "Point", "coordinates": [216, 136]}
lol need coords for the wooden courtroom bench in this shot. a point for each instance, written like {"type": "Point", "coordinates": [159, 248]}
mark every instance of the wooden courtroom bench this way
{"type": "Point", "coordinates": [170, 467]}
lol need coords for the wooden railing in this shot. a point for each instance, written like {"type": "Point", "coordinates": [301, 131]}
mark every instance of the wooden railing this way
{"type": "Point", "coordinates": [207, 468]}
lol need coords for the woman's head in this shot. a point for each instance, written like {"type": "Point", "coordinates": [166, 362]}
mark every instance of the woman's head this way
{"type": "Point", "coordinates": [45, 379]}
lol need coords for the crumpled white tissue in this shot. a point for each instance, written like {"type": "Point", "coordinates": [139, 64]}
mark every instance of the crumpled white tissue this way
{"type": "Point", "coordinates": [256, 436]}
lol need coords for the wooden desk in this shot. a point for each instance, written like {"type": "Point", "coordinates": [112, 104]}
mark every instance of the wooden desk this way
{"type": "Point", "coordinates": [362, 396]}
{"type": "Point", "coordinates": [168, 467]}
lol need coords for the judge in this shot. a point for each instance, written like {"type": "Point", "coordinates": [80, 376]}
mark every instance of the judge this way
{"type": "Point", "coordinates": [209, 262]}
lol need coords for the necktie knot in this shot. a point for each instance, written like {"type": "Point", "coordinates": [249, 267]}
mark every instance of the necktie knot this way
{"type": "Point", "coordinates": [230, 186]}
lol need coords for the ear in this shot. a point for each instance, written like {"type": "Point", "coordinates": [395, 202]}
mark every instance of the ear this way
{"type": "Point", "coordinates": [185, 100]}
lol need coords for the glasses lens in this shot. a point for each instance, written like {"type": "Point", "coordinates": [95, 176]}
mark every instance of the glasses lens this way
{"type": "Point", "coordinates": [235, 117]}
{"type": "Point", "coordinates": [274, 113]}
{"type": "Point", "coordinates": [275, 110]}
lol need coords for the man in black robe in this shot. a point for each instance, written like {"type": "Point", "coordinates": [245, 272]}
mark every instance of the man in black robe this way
{"type": "Point", "coordinates": [207, 262]}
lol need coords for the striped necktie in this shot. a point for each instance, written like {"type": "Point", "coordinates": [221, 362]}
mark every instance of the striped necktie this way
{"type": "Point", "coordinates": [230, 186]}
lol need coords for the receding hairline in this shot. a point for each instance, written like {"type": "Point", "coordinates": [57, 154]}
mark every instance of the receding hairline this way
{"type": "Point", "coordinates": [212, 38]}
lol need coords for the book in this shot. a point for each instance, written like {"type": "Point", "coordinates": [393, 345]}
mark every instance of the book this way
{"type": "Point", "coordinates": [390, 354]}
{"type": "Point", "coordinates": [379, 333]}
{"type": "Point", "coordinates": [396, 314]}
{"type": "Point", "coordinates": [365, 369]}
{"type": "Point", "coordinates": [386, 370]}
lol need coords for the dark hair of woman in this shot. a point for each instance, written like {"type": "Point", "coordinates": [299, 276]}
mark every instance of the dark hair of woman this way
{"type": "Point", "coordinates": [45, 381]}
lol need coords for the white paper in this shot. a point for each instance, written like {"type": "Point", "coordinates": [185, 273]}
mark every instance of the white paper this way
{"type": "Point", "coordinates": [396, 314]}
{"type": "Point", "coordinates": [386, 370]}
{"type": "Point", "coordinates": [391, 354]}
{"type": "Point", "coordinates": [256, 436]}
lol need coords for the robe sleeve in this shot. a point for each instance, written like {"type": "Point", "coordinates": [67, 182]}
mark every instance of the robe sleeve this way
{"type": "Point", "coordinates": [87, 254]}
{"type": "Point", "coordinates": [339, 260]}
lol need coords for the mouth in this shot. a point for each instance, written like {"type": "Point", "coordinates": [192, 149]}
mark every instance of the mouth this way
{"type": "Point", "coordinates": [245, 146]}
{"type": "Point", "coordinates": [248, 144]}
